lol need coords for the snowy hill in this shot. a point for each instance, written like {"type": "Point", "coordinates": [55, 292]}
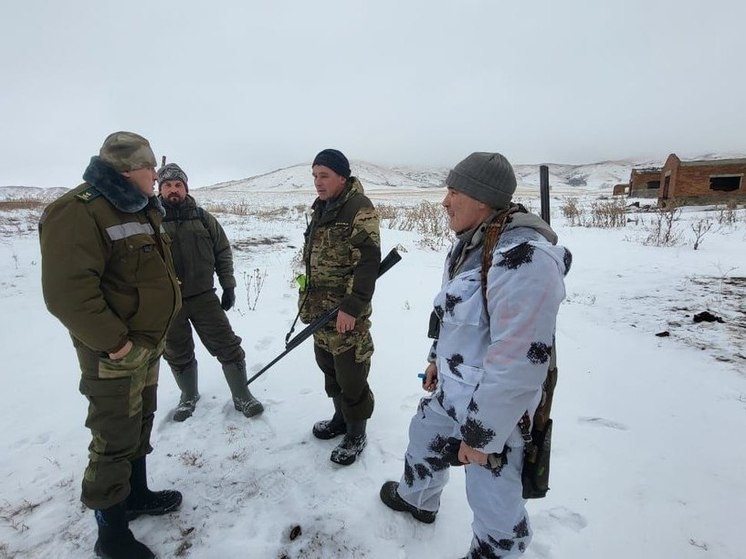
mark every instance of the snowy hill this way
{"type": "Point", "coordinates": [601, 176]}
{"type": "Point", "coordinates": [592, 176]}
{"type": "Point", "coordinates": [373, 176]}
{"type": "Point", "coordinates": [30, 193]}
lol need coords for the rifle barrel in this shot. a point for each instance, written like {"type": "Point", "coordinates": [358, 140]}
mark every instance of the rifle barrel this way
{"type": "Point", "coordinates": [544, 189]}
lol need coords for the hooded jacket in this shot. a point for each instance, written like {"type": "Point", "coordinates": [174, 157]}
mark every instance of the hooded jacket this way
{"type": "Point", "coordinates": [492, 361]}
{"type": "Point", "coordinates": [107, 272]}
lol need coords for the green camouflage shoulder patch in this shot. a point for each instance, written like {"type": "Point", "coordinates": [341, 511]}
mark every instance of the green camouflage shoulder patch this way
{"type": "Point", "coordinates": [88, 194]}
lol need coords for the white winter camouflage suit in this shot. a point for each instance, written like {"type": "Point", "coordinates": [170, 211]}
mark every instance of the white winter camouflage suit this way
{"type": "Point", "coordinates": [490, 372]}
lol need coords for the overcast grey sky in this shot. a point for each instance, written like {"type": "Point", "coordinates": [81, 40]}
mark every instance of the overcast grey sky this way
{"type": "Point", "coordinates": [231, 89]}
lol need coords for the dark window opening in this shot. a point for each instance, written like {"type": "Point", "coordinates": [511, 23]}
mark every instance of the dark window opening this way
{"type": "Point", "coordinates": [652, 185]}
{"type": "Point", "coordinates": [725, 184]}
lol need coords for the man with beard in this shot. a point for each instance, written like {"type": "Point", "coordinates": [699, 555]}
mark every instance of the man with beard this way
{"type": "Point", "coordinates": [107, 275]}
{"type": "Point", "coordinates": [200, 250]}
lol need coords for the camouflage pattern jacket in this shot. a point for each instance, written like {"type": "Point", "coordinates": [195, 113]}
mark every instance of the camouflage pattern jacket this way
{"type": "Point", "coordinates": [107, 272]}
{"type": "Point", "coordinates": [491, 365]}
{"type": "Point", "coordinates": [342, 252]}
{"type": "Point", "coordinates": [200, 248]}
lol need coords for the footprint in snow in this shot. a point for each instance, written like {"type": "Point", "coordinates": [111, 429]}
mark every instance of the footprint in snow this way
{"type": "Point", "coordinates": [558, 516]}
{"type": "Point", "coordinates": [601, 422]}
{"type": "Point", "coordinates": [263, 343]}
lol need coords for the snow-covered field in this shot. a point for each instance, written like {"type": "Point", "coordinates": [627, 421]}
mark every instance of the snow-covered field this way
{"type": "Point", "coordinates": [648, 456]}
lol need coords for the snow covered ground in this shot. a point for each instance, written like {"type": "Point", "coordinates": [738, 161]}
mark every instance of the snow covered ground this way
{"type": "Point", "coordinates": [648, 456]}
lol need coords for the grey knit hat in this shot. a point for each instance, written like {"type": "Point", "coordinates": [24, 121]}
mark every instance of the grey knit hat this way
{"type": "Point", "coordinates": [127, 151]}
{"type": "Point", "coordinates": [487, 177]}
{"type": "Point", "coordinates": [172, 172]}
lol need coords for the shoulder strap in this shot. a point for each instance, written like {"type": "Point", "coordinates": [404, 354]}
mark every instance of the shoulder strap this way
{"type": "Point", "coordinates": [88, 195]}
{"type": "Point", "coordinates": [491, 236]}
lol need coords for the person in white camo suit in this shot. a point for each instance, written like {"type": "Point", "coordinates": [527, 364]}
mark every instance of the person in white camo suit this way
{"type": "Point", "coordinates": [487, 365]}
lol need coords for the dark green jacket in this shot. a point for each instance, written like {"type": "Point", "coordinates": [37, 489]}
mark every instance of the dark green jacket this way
{"type": "Point", "coordinates": [200, 248]}
{"type": "Point", "coordinates": [342, 252]}
{"type": "Point", "coordinates": [107, 272]}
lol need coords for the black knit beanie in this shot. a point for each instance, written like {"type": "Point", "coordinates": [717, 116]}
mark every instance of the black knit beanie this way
{"type": "Point", "coordinates": [334, 160]}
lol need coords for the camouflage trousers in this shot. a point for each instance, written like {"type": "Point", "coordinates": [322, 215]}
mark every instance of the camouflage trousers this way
{"type": "Point", "coordinates": [213, 328]}
{"type": "Point", "coordinates": [345, 361]}
{"type": "Point", "coordinates": [121, 405]}
{"type": "Point", "coordinates": [500, 523]}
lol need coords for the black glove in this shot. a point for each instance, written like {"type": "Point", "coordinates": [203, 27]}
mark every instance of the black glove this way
{"type": "Point", "coordinates": [228, 299]}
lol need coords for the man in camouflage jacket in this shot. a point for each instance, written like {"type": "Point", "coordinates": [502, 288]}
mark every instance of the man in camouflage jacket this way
{"type": "Point", "coordinates": [107, 275]}
{"type": "Point", "coordinates": [342, 253]}
{"type": "Point", "coordinates": [201, 249]}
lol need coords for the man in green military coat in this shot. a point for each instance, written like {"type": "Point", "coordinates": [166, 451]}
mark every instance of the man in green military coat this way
{"type": "Point", "coordinates": [107, 275]}
{"type": "Point", "coordinates": [201, 250]}
{"type": "Point", "coordinates": [342, 253]}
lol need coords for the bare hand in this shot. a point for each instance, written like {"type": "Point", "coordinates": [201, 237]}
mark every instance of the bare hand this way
{"type": "Point", "coordinates": [121, 353]}
{"type": "Point", "coordinates": [430, 382]}
{"type": "Point", "coordinates": [468, 455]}
{"type": "Point", "coordinates": [345, 322]}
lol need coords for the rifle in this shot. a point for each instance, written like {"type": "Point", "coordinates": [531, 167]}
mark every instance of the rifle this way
{"type": "Point", "coordinates": [538, 441]}
{"type": "Point", "coordinates": [544, 191]}
{"type": "Point", "coordinates": [386, 264]}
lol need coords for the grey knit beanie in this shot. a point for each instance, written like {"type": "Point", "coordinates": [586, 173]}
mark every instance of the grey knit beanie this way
{"type": "Point", "coordinates": [127, 151]}
{"type": "Point", "coordinates": [487, 177]}
{"type": "Point", "coordinates": [172, 172]}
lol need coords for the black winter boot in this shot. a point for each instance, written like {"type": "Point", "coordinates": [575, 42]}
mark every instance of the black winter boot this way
{"type": "Point", "coordinates": [352, 445]}
{"type": "Point", "coordinates": [334, 427]}
{"type": "Point", "coordinates": [390, 497]}
{"type": "Point", "coordinates": [243, 400]}
{"type": "Point", "coordinates": [115, 540]}
{"type": "Point", "coordinates": [142, 500]}
{"type": "Point", "coordinates": [186, 380]}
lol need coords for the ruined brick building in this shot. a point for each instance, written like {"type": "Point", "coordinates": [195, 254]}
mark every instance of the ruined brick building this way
{"type": "Point", "coordinates": [715, 181]}
{"type": "Point", "coordinates": [701, 181]}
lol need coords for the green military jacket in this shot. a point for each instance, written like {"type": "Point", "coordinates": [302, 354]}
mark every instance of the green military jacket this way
{"type": "Point", "coordinates": [200, 248]}
{"type": "Point", "coordinates": [342, 252]}
{"type": "Point", "coordinates": [107, 272]}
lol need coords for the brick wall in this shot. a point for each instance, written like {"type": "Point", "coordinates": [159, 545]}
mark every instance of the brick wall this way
{"type": "Point", "coordinates": [694, 180]}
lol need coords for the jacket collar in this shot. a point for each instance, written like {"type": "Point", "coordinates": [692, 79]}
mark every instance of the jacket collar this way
{"type": "Point", "coordinates": [115, 187]}
{"type": "Point", "coordinates": [472, 239]}
{"type": "Point", "coordinates": [185, 210]}
{"type": "Point", "coordinates": [328, 209]}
